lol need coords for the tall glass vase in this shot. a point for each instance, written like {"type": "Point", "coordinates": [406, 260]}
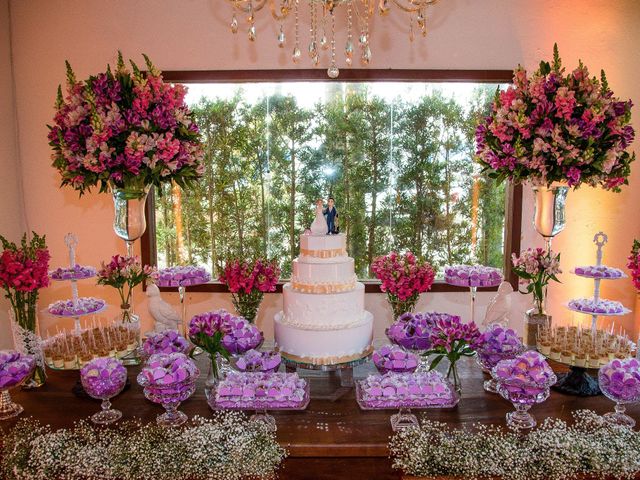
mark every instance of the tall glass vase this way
{"type": "Point", "coordinates": [26, 339]}
{"type": "Point", "coordinates": [247, 304]}
{"type": "Point", "coordinates": [214, 375]}
{"type": "Point", "coordinates": [129, 221]}
{"type": "Point", "coordinates": [549, 213]}
{"type": "Point", "coordinates": [398, 307]}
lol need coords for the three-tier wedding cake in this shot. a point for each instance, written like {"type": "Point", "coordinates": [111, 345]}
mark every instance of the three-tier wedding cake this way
{"type": "Point", "coordinates": [324, 321]}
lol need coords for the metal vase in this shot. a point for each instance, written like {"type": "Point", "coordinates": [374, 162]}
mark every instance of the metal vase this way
{"type": "Point", "coordinates": [129, 221]}
{"type": "Point", "coordinates": [549, 214]}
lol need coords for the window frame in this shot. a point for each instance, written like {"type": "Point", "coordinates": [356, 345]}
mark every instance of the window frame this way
{"type": "Point", "coordinates": [513, 197]}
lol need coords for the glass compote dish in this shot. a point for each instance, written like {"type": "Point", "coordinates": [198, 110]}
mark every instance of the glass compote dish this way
{"type": "Point", "coordinates": [524, 381]}
{"type": "Point", "coordinates": [255, 361]}
{"type": "Point", "coordinates": [497, 343]}
{"type": "Point", "coordinates": [15, 368]}
{"type": "Point", "coordinates": [166, 341]}
{"type": "Point", "coordinates": [392, 358]}
{"type": "Point", "coordinates": [103, 378]}
{"type": "Point", "coordinates": [169, 379]}
{"type": "Point", "coordinates": [620, 381]}
{"type": "Point", "coordinates": [412, 333]}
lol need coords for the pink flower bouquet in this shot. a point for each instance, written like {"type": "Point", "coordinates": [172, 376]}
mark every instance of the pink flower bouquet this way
{"type": "Point", "coordinates": [403, 277]}
{"type": "Point", "coordinates": [536, 268]}
{"type": "Point", "coordinates": [248, 281]}
{"type": "Point", "coordinates": [553, 127]}
{"type": "Point", "coordinates": [124, 130]}
{"type": "Point", "coordinates": [634, 264]}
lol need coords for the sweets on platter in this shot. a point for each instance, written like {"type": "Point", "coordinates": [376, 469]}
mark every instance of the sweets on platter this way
{"type": "Point", "coordinates": [620, 380]}
{"type": "Point", "coordinates": [14, 368]}
{"type": "Point", "coordinates": [598, 271]}
{"type": "Point", "coordinates": [103, 377]}
{"type": "Point", "coordinates": [599, 307]}
{"type": "Point", "coordinates": [255, 361]}
{"type": "Point", "coordinates": [472, 276]}
{"type": "Point", "coordinates": [497, 343]}
{"type": "Point", "coordinates": [241, 335]}
{"type": "Point", "coordinates": [83, 306]}
{"type": "Point", "coordinates": [260, 390]}
{"type": "Point", "coordinates": [392, 358]}
{"type": "Point", "coordinates": [165, 369]}
{"type": "Point", "coordinates": [167, 341]}
{"type": "Point", "coordinates": [182, 276]}
{"type": "Point", "coordinates": [77, 272]}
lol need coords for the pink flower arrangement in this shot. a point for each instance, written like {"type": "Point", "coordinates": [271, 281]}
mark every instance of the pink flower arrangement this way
{"type": "Point", "coordinates": [248, 281]}
{"type": "Point", "coordinates": [634, 264]}
{"type": "Point", "coordinates": [124, 273]}
{"type": "Point", "coordinates": [536, 268]}
{"type": "Point", "coordinates": [403, 277]}
{"type": "Point", "coordinates": [552, 127]}
{"type": "Point", "coordinates": [124, 129]}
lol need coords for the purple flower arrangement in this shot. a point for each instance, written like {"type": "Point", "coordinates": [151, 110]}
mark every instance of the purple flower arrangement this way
{"type": "Point", "coordinates": [525, 378]}
{"type": "Point", "coordinates": [167, 369]}
{"type": "Point", "coordinates": [620, 380]}
{"type": "Point", "coordinates": [241, 336]}
{"type": "Point", "coordinates": [182, 276]}
{"type": "Point", "coordinates": [392, 358]}
{"type": "Point", "coordinates": [598, 271]}
{"type": "Point", "coordinates": [83, 306]}
{"type": "Point", "coordinates": [498, 343]}
{"type": "Point", "coordinates": [472, 276]}
{"type": "Point", "coordinates": [259, 390]}
{"type": "Point", "coordinates": [77, 272]}
{"type": "Point", "coordinates": [600, 307]}
{"type": "Point", "coordinates": [396, 390]}
{"type": "Point", "coordinates": [168, 341]}
{"type": "Point", "coordinates": [103, 377]}
{"type": "Point", "coordinates": [14, 368]}
{"type": "Point", "coordinates": [255, 361]}
{"type": "Point", "coordinates": [411, 331]}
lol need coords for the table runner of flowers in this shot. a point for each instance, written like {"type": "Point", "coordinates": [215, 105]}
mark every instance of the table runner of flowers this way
{"type": "Point", "coordinates": [227, 447]}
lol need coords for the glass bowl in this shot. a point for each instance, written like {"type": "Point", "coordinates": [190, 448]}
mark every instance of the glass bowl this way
{"type": "Point", "coordinates": [622, 397]}
{"type": "Point", "coordinates": [523, 395]}
{"type": "Point", "coordinates": [170, 397]}
{"type": "Point", "coordinates": [8, 408]}
{"type": "Point", "coordinates": [488, 360]}
{"type": "Point", "coordinates": [104, 388]}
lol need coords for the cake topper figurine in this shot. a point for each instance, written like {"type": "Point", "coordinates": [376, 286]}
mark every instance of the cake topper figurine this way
{"type": "Point", "coordinates": [332, 217]}
{"type": "Point", "coordinates": [319, 225]}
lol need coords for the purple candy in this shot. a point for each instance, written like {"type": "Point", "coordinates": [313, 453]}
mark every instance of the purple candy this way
{"type": "Point", "coordinates": [77, 272]}
{"type": "Point", "coordinates": [14, 368]}
{"type": "Point", "coordinates": [602, 306]}
{"type": "Point", "coordinates": [498, 343]}
{"type": "Point", "coordinates": [620, 380]}
{"type": "Point", "coordinates": [165, 369]}
{"type": "Point", "coordinates": [254, 361]}
{"type": "Point", "coordinates": [103, 377]}
{"type": "Point", "coordinates": [182, 276]}
{"type": "Point", "coordinates": [84, 306]}
{"type": "Point", "coordinates": [472, 276]}
{"type": "Point", "coordinates": [395, 359]}
{"type": "Point", "coordinates": [598, 271]}
{"type": "Point", "coordinates": [168, 341]}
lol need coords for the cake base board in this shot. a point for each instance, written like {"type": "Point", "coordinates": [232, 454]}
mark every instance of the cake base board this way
{"type": "Point", "coordinates": [328, 363]}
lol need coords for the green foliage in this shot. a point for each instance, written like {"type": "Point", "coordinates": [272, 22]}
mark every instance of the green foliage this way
{"type": "Point", "coordinates": [402, 175]}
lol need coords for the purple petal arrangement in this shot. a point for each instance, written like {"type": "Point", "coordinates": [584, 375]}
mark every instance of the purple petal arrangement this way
{"type": "Point", "coordinates": [396, 390]}
{"type": "Point", "coordinates": [103, 377]}
{"type": "Point", "coordinates": [182, 276]}
{"type": "Point", "coordinates": [84, 306]}
{"type": "Point", "coordinates": [498, 343]}
{"type": "Point", "coordinates": [77, 272]}
{"type": "Point", "coordinates": [167, 369]}
{"type": "Point", "coordinates": [411, 331]}
{"type": "Point", "coordinates": [241, 336]}
{"type": "Point", "coordinates": [255, 361]}
{"type": "Point", "coordinates": [620, 380]}
{"type": "Point", "coordinates": [472, 276]}
{"type": "Point", "coordinates": [259, 390]}
{"type": "Point", "coordinates": [14, 368]}
{"type": "Point", "coordinates": [392, 358]}
{"type": "Point", "coordinates": [525, 378]}
{"type": "Point", "coordinates": [168, 341]}
{"type": "Point", "coordinates": [598, 271]}
{"type": "Point", "coordinates": [600, 307]}
{"type": "Point", "coordinates": [209, 323]}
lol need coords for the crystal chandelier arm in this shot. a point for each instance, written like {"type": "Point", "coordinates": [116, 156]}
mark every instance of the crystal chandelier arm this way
{"type": "Point", "coordinates": [247, 6]}
{"type": "Point", "coordinates": [284, 10]}
{"type": "Point", "coordinates": [412, 6]}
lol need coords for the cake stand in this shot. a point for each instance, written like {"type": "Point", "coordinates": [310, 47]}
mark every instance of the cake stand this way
{"type": "Point", "coordinates": [260, 408]}
{"type": "Point", "coordinates": [473, 281]}
{"type": "Point", "coordinates": [344, 369]}
{"type": "Point", "coordinates": [578, 381]}
{"type": "Point", "coordinates": [71, 241]}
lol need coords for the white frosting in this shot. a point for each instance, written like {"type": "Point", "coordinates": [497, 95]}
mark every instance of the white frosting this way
{"type": "Point", "coordinates": [320, 344]}
{"type": "Point", "coordinates": [338, 271]}
{"type": "Point", "coordinates": [314, 311]}
{"type": "Point", "coordinates": [323, 242]}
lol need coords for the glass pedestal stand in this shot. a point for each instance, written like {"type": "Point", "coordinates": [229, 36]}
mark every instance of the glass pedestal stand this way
{"type": "Point", "coordinates": [264, 417]}
{"type": "Point", "coordinates": [577, 381]}
{"type": "Point", "coordinates": [345, 371]}
{"type": "Point", "coordinates": [403, 419]}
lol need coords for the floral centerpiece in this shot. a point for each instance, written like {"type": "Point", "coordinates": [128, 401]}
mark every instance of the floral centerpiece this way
{"type": "Point", "coordinates": [248, 281]}
{"type": "Point", "coordinates": [536, 268]}
{"type": "Point", "coordinates": [403, 278]}
{"type": "Point", "coordinates": [124, 273]}
{"type": "Point", "coordinates": [124, 129]}
{"type": "Point", "coordinates": [23, 272]}
{"type": "Point", "coordinates": [634, 264]}
{"type": "Point", "coordinates": [207, 330]}
{"type": "Point", "coordinates": [451, 339]}
{"type": "Point", "coordinates": [557, 127]}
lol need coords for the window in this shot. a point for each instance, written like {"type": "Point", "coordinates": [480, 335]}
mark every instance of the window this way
{"type": "Point", "coordinates": [395, 155]}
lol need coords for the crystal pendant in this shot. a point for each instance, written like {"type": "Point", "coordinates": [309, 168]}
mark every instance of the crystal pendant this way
{"type": "Point", "coordinates": [252, 33]}
{"type": "Point", "coordinates": [281, 38]}
{"type": "Point", "coordinates": [363, 39]}
{"type": "Point", "coordinates": [420, 20]}
{"type": "Point", "coordinates": [333, 71]}
{"type": "Point", "coordinates": [313, 49]}
{"type": "Point", "coordinates": [234, 25]}
{"type": "Point", "coordinates": [349, 47]}
{"type": "Point", "coordinates": [316, 60]}
{"type": "Point", "coordinates": [296, 54]}
{"type": "Point", "coordinates": [324, 43]}
{"type": "Point", "coordinates": [366, 55]}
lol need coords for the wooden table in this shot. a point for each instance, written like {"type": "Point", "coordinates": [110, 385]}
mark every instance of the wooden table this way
{"type": "Point", "coordinates": [331, 439]}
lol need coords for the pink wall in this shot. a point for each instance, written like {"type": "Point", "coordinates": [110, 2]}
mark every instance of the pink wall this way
{"type": "Point", "coordinates": [194, 34]}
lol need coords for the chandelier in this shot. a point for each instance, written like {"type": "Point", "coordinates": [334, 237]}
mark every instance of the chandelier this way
{"type": "Point", "coordinates": [323, 24]}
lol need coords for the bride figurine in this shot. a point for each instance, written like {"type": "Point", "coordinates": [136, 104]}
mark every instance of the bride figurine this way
{"type": "Point", "coordinates": [319, 225]}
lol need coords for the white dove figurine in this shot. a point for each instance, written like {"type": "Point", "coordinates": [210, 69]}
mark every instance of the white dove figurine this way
{"type": "Point", "coordinates": [499, 306]}
{"type": "Point", "coordinates": [163, 313]}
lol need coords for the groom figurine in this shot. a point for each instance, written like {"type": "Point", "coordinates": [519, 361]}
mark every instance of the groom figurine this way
{"type": "Point", "coordinates": [331, 214]}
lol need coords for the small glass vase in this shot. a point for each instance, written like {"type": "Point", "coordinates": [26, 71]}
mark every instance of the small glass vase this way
{"type": "Point", "coordinates": [398, 307]}
{"type": "Point", "coordinates": [454, 377]}
{"type": "Point", "coordinates": [247, 304]}
{"type": "Point", "coordinates": [534, 319]}
{"type": "Point", "coordinates": [26, 339]}
{"type": "Point", "coordinates": [214, 375]}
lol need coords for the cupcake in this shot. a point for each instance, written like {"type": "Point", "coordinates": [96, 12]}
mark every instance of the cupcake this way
{"type": "Point", "coordinates": [580, 359]}
{"type": "Point", "coordinates": [554, 353]}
